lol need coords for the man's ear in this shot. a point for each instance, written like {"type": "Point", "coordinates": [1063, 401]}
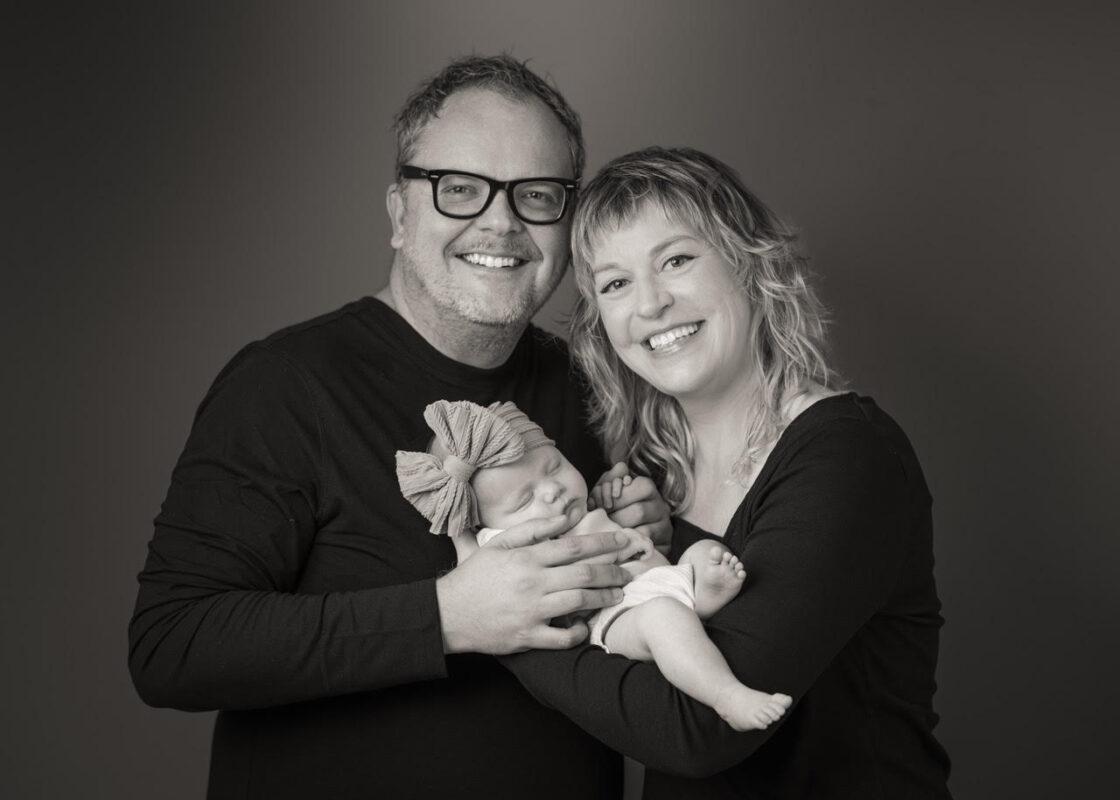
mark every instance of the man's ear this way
{"type": "Point", "coordinates": [394, 202]}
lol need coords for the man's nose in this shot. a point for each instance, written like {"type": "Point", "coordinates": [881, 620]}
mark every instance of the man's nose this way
{"type": "Point", "coordinates": [652, 297]}
{"type": "Point", "coordinates": [499, 218]}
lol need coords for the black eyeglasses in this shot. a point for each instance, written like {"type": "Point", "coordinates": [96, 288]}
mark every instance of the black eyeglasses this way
{"type": "Point", "coordinates": [463, 195]}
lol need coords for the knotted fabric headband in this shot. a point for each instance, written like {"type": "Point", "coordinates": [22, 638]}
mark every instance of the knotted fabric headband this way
{"type": "Point", "coordinates": [469, 437]}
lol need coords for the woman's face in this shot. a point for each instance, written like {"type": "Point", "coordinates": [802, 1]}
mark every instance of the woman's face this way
{"type": "Point", "coordinates": [672, 308]}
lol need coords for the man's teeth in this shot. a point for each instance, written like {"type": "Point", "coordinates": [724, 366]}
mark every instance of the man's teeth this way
{"type": "Point", "coordinates": [660, 340]}
{"type": "Point", "coordinates": [483, 260]}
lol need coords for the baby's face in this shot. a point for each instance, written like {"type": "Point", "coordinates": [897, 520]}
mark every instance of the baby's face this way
{"type": "Point", "coordinates": [542, 483]}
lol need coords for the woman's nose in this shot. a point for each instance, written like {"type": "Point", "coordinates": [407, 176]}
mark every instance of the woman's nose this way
{"type": "Point", "coordinates": [652, 297]}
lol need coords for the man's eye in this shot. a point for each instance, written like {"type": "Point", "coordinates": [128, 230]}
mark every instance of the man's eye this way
{"type": "Point", "coordinates": [611, 286]}
{"type": "Point", "coordinates": [458, 190]}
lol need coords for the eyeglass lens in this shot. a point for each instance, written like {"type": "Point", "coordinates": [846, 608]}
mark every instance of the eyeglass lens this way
{"type": "Point", "coordinates": [535, 200]}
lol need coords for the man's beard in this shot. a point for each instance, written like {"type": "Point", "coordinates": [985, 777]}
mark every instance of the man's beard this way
{"type": "Point", "coordinates": [514, 310]}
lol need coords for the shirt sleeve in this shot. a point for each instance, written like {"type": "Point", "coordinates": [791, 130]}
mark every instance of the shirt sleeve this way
{"type": "Point", "coordinates": [218, 622]}
{"type": "Point", "coordinates": [822, 547]}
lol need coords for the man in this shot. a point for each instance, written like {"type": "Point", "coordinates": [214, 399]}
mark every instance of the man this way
{"type": "Point", "coordinates": [291, 586]}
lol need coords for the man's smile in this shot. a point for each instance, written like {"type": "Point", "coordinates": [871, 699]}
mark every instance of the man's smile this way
{"type": "Point", "coordinates": [492, 261]}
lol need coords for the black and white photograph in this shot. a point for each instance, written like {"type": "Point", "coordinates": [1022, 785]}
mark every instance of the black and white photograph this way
{"type": "Point", "coordinates": [603, 399]}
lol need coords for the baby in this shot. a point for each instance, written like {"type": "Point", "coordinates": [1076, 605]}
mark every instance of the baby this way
{"type": "Point", "coordinates": [489, 469]}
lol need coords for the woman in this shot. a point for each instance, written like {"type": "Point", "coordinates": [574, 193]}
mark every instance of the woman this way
{"type": "Point", "coordinates": [703, 345]}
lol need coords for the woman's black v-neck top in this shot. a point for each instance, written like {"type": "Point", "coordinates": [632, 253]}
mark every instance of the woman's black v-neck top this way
{"type": "Point", "coordinates": [840, 611]}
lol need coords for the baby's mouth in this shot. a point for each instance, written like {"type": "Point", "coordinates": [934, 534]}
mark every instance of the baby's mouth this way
{"type": "Point", "coordinates": [575, 508]}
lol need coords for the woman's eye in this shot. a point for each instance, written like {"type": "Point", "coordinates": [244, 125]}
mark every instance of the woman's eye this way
{"type": "Point", "coordinates": [611, 286]}
{"type": "Point", "coordinates": [677, 261]}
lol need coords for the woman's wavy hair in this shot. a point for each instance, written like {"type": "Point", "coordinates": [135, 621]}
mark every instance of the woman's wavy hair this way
{"type": "Point", "coordinates": [638, 423]}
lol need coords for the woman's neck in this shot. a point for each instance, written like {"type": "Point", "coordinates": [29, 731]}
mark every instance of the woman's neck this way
{"type": "Point", "coordinates": [718, 438]}
{"type": "Point", "coordinates": [719, 433]}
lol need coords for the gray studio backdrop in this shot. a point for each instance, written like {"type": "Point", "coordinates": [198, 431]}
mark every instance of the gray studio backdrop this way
{"type": "Point", "coordinates": [188, 177]}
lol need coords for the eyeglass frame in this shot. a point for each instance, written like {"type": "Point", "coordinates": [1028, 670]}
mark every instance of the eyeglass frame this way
{"type": "Point", "coordinates": [570, 187]}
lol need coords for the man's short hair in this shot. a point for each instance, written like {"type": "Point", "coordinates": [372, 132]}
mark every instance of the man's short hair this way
{"type": "Point", "coordinates": [503, 74]}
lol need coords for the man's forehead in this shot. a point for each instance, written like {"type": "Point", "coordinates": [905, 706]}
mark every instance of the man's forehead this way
{"type": "Point", "coordinates": [495, 134]}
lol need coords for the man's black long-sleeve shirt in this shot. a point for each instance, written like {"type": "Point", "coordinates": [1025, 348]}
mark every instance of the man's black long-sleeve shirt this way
{"type": "Point", "coordinates": [290, 586]}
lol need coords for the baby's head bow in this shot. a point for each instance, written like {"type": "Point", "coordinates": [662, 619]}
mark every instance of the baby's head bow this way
{"type": "Point", "coordinates": [468, 437]}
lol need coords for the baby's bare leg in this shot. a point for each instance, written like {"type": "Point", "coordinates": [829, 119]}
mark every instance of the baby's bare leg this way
{"type": "Point", "coordinates": [719, 575]}
{"type": "Point", "coordinates": [670, 634]}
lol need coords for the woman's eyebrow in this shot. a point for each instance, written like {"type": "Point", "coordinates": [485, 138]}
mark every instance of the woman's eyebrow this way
{"type": "Point", "coordinates": [657, 249]}
{"type": "Point", "coordinates": [653, 252]}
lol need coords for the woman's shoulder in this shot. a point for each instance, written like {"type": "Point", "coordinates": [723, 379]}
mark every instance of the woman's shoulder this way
{"type": "Point", "coordinates": [852, 432]}
{"type": "Point", "coordinates": [840, 414]}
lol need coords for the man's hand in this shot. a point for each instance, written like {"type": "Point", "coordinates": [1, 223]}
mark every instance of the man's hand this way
{"type": "Point", "coordinates": [634, 502]}
{"type": "Point", "coordinates": [501, 599]}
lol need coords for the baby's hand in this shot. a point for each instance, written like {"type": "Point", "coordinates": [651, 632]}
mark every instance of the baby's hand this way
{"type": "Point", "coordinates": [637, 547]}
{"type": "Point", "coordinates": [609, 487]}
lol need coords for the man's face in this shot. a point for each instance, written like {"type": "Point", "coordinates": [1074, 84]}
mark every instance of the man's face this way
{"type": "Point", "coordinates": [493, 269]}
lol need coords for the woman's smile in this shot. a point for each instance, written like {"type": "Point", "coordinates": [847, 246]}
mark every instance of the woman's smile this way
{"type": "Point", "coordinates": [672, 339]}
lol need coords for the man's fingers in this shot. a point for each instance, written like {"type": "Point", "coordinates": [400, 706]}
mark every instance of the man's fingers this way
{"type": "Point", "coordinates": [557, 604]}
{"type": "Point", "coordinates": [583, 576]}
{"type": "Point", "coordinates": [575, 548]}
{"type": "Point", "coordinates": [547, 637]}
{"type": "Point", "coordinates": [533, 532]}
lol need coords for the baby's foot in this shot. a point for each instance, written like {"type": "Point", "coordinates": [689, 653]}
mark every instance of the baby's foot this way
{"type": "Point", "coordinates": [719, 576]}
{"type": "Point", "coordinates": [745, 709]}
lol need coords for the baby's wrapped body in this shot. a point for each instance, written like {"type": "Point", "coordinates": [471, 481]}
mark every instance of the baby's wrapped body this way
{"type": "Point", "coordinates": [653, 575]}
{"type": "Point", "coordinates": [490, 469]}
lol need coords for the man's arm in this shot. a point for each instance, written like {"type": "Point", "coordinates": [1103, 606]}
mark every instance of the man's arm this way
{"type": "Point", "coordinates": [821, 555]}
{"type": "Point", "coordinates": [218, 623]}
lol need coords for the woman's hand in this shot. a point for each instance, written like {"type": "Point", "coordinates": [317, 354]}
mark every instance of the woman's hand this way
{"type": "Point", "coordinates": [633, 501]}
{"type": "Point", "coordinates": [609, 487]}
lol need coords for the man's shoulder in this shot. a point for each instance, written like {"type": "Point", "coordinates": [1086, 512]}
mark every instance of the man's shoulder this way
{"type": "Point", "coordinates": [548, 342]}
{"type": "Point", "coordinates": [549, 349]}
{"type": "Point", "coordinates": [323, 331]}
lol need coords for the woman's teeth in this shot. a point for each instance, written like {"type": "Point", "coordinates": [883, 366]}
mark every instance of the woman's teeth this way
{"type": "Point", "coordinates": [494, 262]}
{"type": "Point", "coordinates": [666, 338]}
